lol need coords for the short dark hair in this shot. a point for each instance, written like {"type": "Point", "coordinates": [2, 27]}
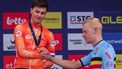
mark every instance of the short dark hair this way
{"type": "Point", "coordinates": [39, 3]}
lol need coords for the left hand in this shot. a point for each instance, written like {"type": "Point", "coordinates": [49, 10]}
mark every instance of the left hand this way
{"type": "Point", "coordinates": [44, 53]}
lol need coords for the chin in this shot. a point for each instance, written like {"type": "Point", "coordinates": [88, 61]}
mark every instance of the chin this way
{"type": "Point", "coordinates": [88, 42]}
{"type": "Point", "coordinates": [38, 21]}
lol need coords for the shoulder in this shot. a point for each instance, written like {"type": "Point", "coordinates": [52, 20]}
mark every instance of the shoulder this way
{"type": "Point", "coordinates": [21, 26]}
{"type": "Point", "coordinates": [46, 31]}
{"type": "Point", "coordinates": [105, 45]}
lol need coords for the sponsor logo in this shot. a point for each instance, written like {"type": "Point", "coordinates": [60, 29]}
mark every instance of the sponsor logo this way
{"type": "Point", "coordinates": [118, 61]}
{"type": "Point", "coordinates": [58, 41]}
{"type": "Point", "coordinates": [96, 51]}
{"type": "Point", "coordinates": [28, 37]}
{"type": "Point", "coordinates": [9, 66]}
{"type": "Point", "coordinates": [8, 42]}
{"type": "Point", "coordinates": [75, 19]}
{"type": "Point", "coordinates": [116, 41]}
{"type": "Point", "coordinates": [15, 20]}
{"type": "Point", "coordinates": [111, 20]}
{"type": "Point", "coordinates": [72, 19]}
{"type": "Point", "coordinates": [54, 42]}
{"type": "Point", "coordinates": [109, 64]}
{"type": "Point", "coordinates": [78, 19]}
{"type": "Point", "coordinates": [9, 62]}
{"type": "Point", "coordinates": [76, 43]}
{"type": "Point", "coordinates": [76, 58]}
{"type": "Point", "coordinates": [108, 55]}
{"type": "Point", "coordinates": [18, 33]}
{"type": "Point", "coordinates": [53, 20]}
{"type": "Point", "coordinates": [11, 19]}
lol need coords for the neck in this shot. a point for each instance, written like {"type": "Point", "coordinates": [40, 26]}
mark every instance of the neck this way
{"type": "Point", "coordinates": [37, 24]}
{"type": "Point", "coordinates": [96, 40]}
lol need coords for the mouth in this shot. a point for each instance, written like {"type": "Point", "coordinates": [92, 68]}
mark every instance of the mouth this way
{"type": "Point", "coordinates": [38, 19]}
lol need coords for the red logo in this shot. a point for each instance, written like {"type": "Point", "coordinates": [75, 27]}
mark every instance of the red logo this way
{"type": "Point", "coordinates": [9, 62]}
{"type": "Point", "coordinates": [108, 55]}
{"type": "Point", "coordinates": [109, 64]}
{"type": "Point", "coordinates": [11, 19]}
{"type": "Point", "coordinates": [58, 41]}
{"type": "Point", "coordinates": [75, 58]}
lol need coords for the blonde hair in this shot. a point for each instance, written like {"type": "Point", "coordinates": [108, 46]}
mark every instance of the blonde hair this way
{"type": "Point", "coordinates": [93, 22]}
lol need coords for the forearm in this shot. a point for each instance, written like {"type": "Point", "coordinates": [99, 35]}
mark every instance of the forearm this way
{"type": "Point", "coordinates": [47, 64]}
{"type": "Point", "coordinates": [63, 63]}
{"type": "Point", "coordinates": [29, 54]}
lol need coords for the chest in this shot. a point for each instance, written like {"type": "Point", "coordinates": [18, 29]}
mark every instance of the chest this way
{"type": "Point", "coordinates": [96, 52]}
{"type": "Point", "coordinates": [29, 38]}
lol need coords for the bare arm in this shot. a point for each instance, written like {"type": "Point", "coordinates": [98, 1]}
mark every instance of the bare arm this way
{"type": "Point", "coordinates": [47, 64]}
{"type": "Point", "coordinates": [66, 63]}
{"type": "Point", "coordinates": [63, 63]}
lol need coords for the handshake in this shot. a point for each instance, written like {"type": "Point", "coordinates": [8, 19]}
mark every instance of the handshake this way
{"type": "Point", "coordinates": [44, 54]}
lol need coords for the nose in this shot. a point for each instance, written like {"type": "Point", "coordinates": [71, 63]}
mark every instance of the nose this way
{"type": "Point", "coordinates": [40, 15]}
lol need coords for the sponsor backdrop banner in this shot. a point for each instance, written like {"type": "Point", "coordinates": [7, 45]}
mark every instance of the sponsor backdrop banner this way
{"type": "Point", "coordinates": [11, 19]}
{"type": "Point", "coordinates": [119, 61]}
{"type": "Point", "coordinates": [77, 42]}
{"type": "Point", "coordinates": [76, 58]}
{"type": "Point", "coordinates": [8, 42]}
{"type": "Point", "coordinates": [75, 19]}
{"type": "Point", "coordinates": [111, 19]}
{"type": "Point", "coordinates": [53, 20]}
{"type": "Point", "coordinates": [9, 62]}
{"type": "Point", "coordinates": [64, 18]}
{"type": "Point", "coordinates": [114, 39]}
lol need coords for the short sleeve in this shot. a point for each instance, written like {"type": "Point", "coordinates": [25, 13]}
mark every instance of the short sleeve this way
{"type": "Point", "coordinates": [86, 60]}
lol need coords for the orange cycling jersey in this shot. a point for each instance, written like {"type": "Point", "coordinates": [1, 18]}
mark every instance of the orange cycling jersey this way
{"type": "Point", "coordinates": [27, 55]}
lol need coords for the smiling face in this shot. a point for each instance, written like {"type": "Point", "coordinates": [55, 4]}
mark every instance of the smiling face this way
{"type": "Point", "coordinates": [38, 14]}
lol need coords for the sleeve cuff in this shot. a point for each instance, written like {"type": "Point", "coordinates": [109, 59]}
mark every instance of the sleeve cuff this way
{"type": "Point", "coordinates": [81, 62]}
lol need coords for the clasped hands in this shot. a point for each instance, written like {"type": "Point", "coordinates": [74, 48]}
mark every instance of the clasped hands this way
{"type": "Point", "coordinates": [44, 54]}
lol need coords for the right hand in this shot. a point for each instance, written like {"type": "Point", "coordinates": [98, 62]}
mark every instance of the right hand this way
{"type": "Point", "coordinates": [44, 53]}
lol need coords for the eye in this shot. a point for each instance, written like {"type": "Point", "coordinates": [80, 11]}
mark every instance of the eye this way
{"type": "Point", "coordinates": [37, 11]}
{"type": "Point", "coordinates": [43, 13]}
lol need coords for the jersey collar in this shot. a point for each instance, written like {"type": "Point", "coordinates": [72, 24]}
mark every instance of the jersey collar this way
{"type": "Point", "coordinates": [98, 43]}
{"type": "Point", "coordinates": [34, 25]}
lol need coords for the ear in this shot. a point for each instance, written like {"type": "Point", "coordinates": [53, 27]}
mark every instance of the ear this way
{"type": "Point", "coordinates": [96, 30]}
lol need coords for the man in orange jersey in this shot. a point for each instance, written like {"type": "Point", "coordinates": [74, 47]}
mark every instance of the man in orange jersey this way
{"type": "Point", "coordinates": [31, 36]}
